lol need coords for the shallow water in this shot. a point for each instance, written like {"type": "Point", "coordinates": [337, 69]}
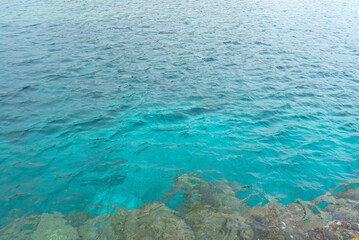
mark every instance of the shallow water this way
{"type": "Point", "coordinates": [103, 102]}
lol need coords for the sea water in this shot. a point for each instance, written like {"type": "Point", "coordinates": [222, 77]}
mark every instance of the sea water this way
{"type": "Point", "coordinates": [104, 102]}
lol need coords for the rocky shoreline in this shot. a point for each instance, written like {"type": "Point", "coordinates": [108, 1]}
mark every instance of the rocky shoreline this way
{"type": "Point", "coordinates": [205, 211]}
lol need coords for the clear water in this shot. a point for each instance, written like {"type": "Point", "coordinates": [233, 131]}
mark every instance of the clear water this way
{"type": "Point", "coordinates": [103, 102]}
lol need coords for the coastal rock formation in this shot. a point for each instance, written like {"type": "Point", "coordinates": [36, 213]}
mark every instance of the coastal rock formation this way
{"type": "Point", "coordinates": [54, 226]}
{"type": "Point", "coordinates": [19, 228]}
{"type": "Point", "coordinates": [35, 227]}
{"type": "Point", "coordinates": [152, 221]}
{"type": "Point", "coordinates": [155, 221]}
{"type": "Point", "coordinates": [336, 231]}
{"type": "Point", "coordinates": [204, 210]}
{"type": "Point", "coordinates": [96, 228]}
{"type": "Point", "coordinates": [210, 223]}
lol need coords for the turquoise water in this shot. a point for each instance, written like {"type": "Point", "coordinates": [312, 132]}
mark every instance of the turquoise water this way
{"type": "Point", "coordinates": [103, 102]}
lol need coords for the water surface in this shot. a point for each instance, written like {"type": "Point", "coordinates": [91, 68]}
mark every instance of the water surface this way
{"type": "Point", "coordinates": [103, 102]}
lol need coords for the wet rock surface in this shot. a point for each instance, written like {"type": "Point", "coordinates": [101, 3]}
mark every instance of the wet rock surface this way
{"type": "Point", "coordinates": [205, 211]}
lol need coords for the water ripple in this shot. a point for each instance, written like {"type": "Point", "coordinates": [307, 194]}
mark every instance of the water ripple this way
{"type": "Point", "coordinates": [117, 97]}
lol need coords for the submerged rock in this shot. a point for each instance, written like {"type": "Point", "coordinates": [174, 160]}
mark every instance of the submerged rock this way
{"type": "Point", "coordinates": [275, 221]}
{"type": "Point", "coordinates": [94, 228]}
{"type": "Point", "coordinates": [19, 228]}
{"type": "Point", "coordinates": [105, 226]}
{"type": "Point", "coordinates": [152, 221]}
{"type": "Point", "coordinates": [54, 226]}
{"type": "Point", "coordinates": [205, 211]}
{"type": "Point", "coordinates": [336, 231]}
{"type": "Point", "coordinates": [213, 211]}
{"type": "Point", "coordinates": [36, 227]}
{"type": "Point", "coordinates": [198, 191]}
{"type": "Point", "coordinates": [155, 221]}
{"type": "Point", "coordinates": [211, 223]}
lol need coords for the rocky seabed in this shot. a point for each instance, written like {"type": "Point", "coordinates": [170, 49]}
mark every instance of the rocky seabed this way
{"type": "Point", "coordinates": [206, 211]}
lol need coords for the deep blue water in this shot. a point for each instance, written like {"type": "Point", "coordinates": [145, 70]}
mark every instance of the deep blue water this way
{"type": "Point", "coordinates": [103, 102]}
